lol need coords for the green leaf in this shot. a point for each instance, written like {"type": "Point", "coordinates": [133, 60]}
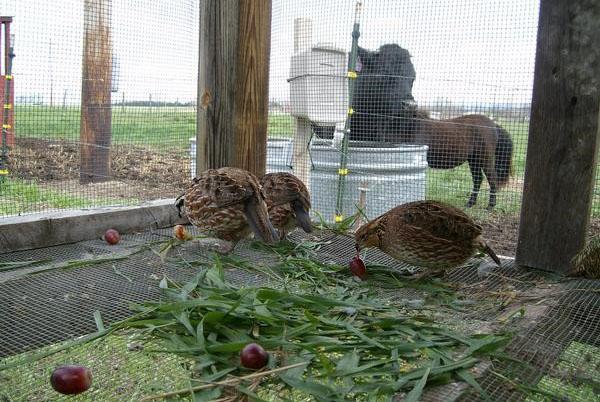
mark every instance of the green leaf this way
{"type": "Point", "coordinates": [467, 377]}
{"type": "Point", "coordinates": [415, 393]}
{"type": "Point", "coordinates": [231, 347]}
{"type": "Point", "coordinates": [200, 334]}
{"type": "Point", "coordinates": [365, 338]}
{"type": "Point", "coordinates": [486, 344]}
{"type": "Point", "coordinates": [98, 320]}
{"type": "Point", "coordinates": [316, 389]}
{"type": "Point", "coordinates": [348, 363]}
{"type": "Point", "coordinates": [184, 319]}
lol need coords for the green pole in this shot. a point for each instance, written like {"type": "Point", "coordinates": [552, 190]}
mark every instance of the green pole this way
{"type": "Point", "coordinates": [343, 170]}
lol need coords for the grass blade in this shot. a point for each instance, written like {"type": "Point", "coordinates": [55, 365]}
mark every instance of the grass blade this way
{"type": "Point", "coordinates": [415, 393]}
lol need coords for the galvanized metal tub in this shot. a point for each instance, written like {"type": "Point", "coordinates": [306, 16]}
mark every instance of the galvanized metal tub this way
{"type": "Point", "coordinates": [392, 175]}
{"type": "Point", "coordinates": [279, 155]}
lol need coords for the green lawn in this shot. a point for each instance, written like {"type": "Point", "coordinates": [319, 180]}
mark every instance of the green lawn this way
{"type": "Point", "coordinates": [156, 127]}
{"type": "Point", "coordinates": [171, 127]}
{"type": "Point", "coordinates": [19, 196]}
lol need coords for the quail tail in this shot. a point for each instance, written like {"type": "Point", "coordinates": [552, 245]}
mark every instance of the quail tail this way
{"type": "Point", "coordinates": [179, 202]}
{"type": "Point", "coordinates": [488, 250]}
{"type": "Point", "coordinates": [259, 222]}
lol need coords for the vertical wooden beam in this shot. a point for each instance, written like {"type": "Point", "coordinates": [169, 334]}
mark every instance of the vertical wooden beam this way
{"type": "Point", "coordinates": [233, 84]}
{"type": "Point", "coordinates": [563, 135]}
{"type": "Point", "coordinates": [252, 86]}
{"type": "Point", "coordinates": [96, 113]}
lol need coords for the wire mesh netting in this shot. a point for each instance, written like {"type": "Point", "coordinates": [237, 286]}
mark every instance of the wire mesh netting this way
{"type": "Point", "coordinates": [104, 95]}
{"type": "Point", "coordinates": [372, 104]}
{"type": "Point", "coordinates": [554, 347]}
{"type": "Point", "coordinates": [439, 107]}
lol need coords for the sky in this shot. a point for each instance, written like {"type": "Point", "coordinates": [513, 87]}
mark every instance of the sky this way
{"type": "Point", "coordinates": [464, 51]}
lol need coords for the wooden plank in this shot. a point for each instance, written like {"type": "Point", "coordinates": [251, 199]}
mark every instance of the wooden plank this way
{"type": "Point", "coordinates": [563, 135]}
{"type": "Point", "coordinates": [252, 86]}
{"type": "Point", "coordinates": [96, 113]}
{"type": "Point", "coordinates": [45, 230]}
{"type": "Point", "coordinates": [233, 84]}
{"type": "Point", "coordinates": [216, 83]}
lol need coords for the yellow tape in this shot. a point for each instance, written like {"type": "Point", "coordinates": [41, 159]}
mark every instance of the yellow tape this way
{"type": "Point", "coordinates": [8, 106]}
{"type": "Point", "coordinates": [342, 172]}
{"type": "Point", "coordinates": [352, 74]}
{"type": "Point", "coordinates": [339, 218]}
{"type": "Point", "coordinates": [8, 77]}
{"type": "Point", "coordinates": [3, 171]}
{"type": "Point", "coordinates": [350, 111]}
{"type": "Point", "coordinates": [7, 126]}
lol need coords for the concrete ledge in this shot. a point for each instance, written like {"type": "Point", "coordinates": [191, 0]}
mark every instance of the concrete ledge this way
{"type": "Point", "coordinates": [63, 227]}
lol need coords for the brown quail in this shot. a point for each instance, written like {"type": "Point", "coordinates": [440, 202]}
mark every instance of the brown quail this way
{"type": "Point", "coordinates": [428, 234]}
{"type": "Point", "coordinates": [288, 202]}
{"type": "Point", "coordinates": [228, 203]}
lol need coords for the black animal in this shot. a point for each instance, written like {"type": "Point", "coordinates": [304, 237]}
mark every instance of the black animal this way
{"type": "Point", "coordinates": [382, 100]}
{"type": "Point", "coordinates": [386, 112]}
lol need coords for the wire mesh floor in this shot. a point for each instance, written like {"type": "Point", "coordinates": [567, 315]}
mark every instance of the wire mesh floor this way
{"type": "Point", "coordinates": [52, 298]}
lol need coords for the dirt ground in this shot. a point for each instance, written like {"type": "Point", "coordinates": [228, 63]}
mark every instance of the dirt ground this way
{"type": "Point", "coordinates": [145, 174]}
{"type": "Point", "coordinates": [136, 172]}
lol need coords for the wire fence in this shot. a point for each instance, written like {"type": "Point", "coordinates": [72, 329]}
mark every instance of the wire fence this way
{"type": "Point", "coordinates": [104, 102]}
{"type": "Point", "coordinates": [440, 104]}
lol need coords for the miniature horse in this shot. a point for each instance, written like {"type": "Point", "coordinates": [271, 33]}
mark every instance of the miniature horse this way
{"type": "Point", "coordinates": [385, 111]}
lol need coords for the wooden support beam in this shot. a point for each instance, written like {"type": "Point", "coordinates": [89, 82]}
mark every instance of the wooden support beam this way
{"type": "Point", "coordinates": [563, 135]}
{"type": "Point", "coordinates": [96, 113]}
{"type": "Point", "coordinates": [233, 84]}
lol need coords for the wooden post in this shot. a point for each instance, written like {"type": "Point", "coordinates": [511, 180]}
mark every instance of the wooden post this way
{"type": "Point", "coordinates": [96, 113]}
{"type": "Point", "coordinates": [563, 135]}
{"type": "Point", "coordinates": [300, 156]}
{"type": "Point", "coordinates": [233, 84]}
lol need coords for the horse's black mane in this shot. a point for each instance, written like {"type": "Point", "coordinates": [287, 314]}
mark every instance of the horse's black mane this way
{"type": "Point", "coordinates": [382, 100]}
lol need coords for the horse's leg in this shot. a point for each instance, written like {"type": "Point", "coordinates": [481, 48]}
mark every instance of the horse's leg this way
{"type": "Point", "coordinates": [477, 176]}
{"type": "Point", "coordinates": [490, 173]}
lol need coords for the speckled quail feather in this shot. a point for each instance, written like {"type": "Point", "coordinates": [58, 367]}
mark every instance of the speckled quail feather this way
{"type": "Point", "coordinates": [229, 204]}
{"type": "Point", "coordinates": [586, 262]}
{"type": "Point", "coordinates": [288, 201]}
{"type": "Point", "coordinates": [427, 234]}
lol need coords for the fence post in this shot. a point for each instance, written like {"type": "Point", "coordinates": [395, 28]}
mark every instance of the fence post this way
{"type": "Point", "coordinates": [233, 87]}
{"type": "Point", "coordinates": [96, 113]}
{"type": "Point", "coordinates": [563, 135]}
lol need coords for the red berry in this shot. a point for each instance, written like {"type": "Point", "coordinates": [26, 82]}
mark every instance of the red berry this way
{"type": "Point", "coordinates": [111, 236]}
{"type": "Point", "coordinates": [357, 267]}
{"type": "Point", "coordinates": [253, 356]}
{"type": "Point", "coordinates": [71, 380]}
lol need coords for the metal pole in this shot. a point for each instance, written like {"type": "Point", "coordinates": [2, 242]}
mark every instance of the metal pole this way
{"type": "Point", "coordinates": [6, 104]}
{"type": "Point", "coordinates": [343, 170]}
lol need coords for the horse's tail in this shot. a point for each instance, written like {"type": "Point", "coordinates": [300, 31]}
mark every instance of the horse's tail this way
{"type": "Point", "coordinates": [504, 150]}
